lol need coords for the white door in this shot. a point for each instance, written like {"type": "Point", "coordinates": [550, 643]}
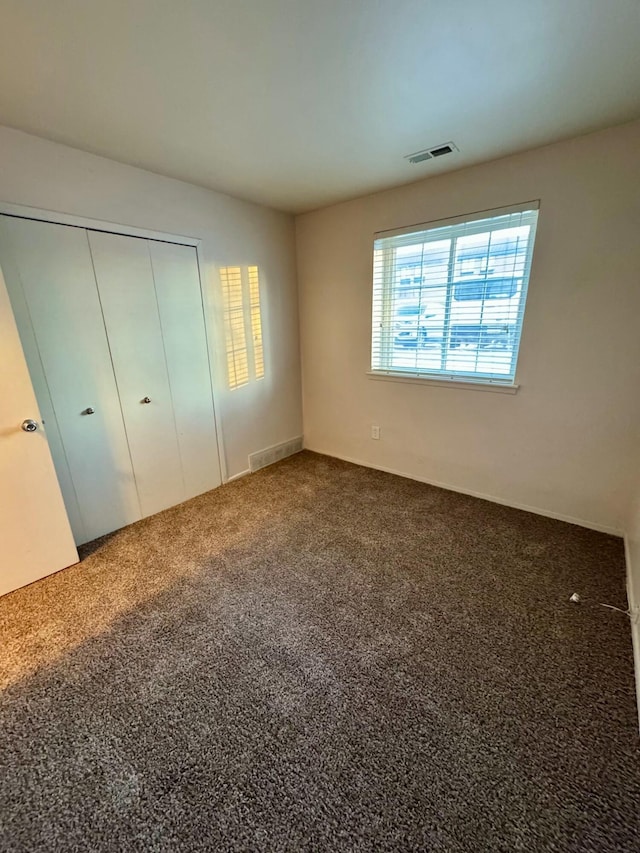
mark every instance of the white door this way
{"type": "Point", "coordinates": [49, 266]}
{"type": "Point", "coordinates": [127, 293]}
{"type": "Point", "coordinates": [35, 535]}
{"type": "Point", "coordinates": [177, 280]}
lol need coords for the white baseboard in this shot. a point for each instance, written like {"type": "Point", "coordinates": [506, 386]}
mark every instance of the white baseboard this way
{"type": "Point", "coordinates": [237, 476]}
{"type": "Point", "coordinates": [634, 605]}
{"type": "Point", "coordinates": [591, 525]}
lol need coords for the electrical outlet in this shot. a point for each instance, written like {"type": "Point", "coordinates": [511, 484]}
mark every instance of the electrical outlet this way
{"type": "Point", "coordinates": [375, 432]}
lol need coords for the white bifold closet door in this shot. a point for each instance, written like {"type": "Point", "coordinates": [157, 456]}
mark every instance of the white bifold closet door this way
{"type": "Point", "coordinates": [49, 275]}
{"type": "Point", "coordinates": [127, 292]}
{"type": "Point", "coordinates": [177, 280]}
{"type": "Point", "coordinates": [114, 335]}
{"type": "Point", "coordinates": [152, 307]}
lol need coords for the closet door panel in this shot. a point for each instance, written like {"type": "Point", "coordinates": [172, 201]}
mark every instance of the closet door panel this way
{"type": "Point", "coordinates": [56, 273]}
{"type": "Point", "coordinates": [177, 281]}
{"type": "Point", "coordinates": [125, 282]}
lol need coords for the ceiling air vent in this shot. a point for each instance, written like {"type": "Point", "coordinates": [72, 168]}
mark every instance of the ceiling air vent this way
{"type": "Point", "coordinates": [430, 153]}
{"type": "Point", "coordinates": [418, 157]}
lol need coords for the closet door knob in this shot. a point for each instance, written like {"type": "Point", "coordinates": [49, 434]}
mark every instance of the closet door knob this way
{"type": "Point", "coordinates": [146, 400]}
{"type": "Point", "coordinates": [89, 411]}
{"type": "Point", "coordinates": [29, 425]}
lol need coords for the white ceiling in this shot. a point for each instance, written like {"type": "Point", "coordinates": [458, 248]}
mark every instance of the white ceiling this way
{"type": "Point", "coordinates": [300, 103]}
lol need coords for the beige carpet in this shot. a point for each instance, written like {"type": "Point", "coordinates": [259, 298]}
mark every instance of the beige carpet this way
{"type": "Point", "coordinates": [322, 657]}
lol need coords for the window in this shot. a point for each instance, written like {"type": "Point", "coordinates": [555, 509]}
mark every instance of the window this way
{"type": "Point", "coordinates": [243, 325]}
{"type": "Point", "coordinates": [449, 297]}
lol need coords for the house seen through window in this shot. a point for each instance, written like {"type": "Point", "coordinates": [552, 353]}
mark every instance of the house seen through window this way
{"type": "Point", "coordinates": [449, 297]}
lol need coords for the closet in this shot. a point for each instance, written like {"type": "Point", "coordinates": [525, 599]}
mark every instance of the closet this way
{"type": "Point", "coordinates": [114, 336]}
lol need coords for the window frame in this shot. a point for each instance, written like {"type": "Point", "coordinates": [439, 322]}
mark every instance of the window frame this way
{"type": "Point", "coordinates": [385, 294]}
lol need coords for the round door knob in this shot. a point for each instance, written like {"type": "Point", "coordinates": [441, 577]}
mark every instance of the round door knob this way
{"type": "Point", "coordinates": [29, 425]}
{"type": "Point", "coordinates": [146, 400]}
{"type": "Point", "coordinates": [89, 411]}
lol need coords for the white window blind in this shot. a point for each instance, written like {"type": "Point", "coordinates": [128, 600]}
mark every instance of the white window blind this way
{"type": "Point", "coordinates": [243, 325]}
{"type": "Point", "coordinates": [449, 296]}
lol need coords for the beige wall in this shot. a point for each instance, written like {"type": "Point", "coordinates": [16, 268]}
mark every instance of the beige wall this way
{"type": "Point", "coordinates": [633, 579]}
{"type": "Point", "coordinates": [633, 553]}
{"type": "Point", "coordinates": [44, 175]}
{"type": "Point", "coordinates": [563, 444]}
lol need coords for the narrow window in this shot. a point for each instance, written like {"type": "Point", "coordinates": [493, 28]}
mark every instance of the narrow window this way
{"type": "Point", "coordinates": [256, 322]}
{"type": "Point", "coordinates": [243, 325]}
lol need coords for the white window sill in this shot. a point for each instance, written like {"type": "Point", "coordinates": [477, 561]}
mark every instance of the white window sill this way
{"type": "Point", "coordinates": [487, 385]}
